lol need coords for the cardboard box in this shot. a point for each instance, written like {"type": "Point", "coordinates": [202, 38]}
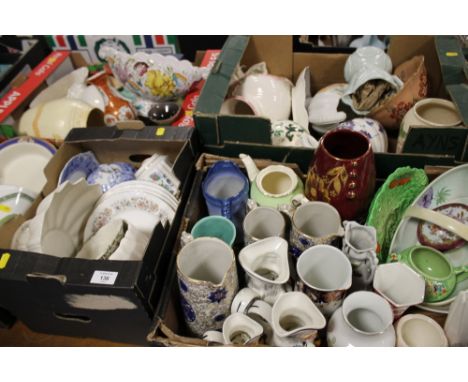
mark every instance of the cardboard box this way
{"type": "Point", "coordinates": [169, 327]}
{"type": "Point", "coordinates": [29, 52]}
{"type": "Point", "coordinates": [325, 69]}
{"type": "Point", "coordinates": [16, 101]}
{"type": "Point", "coordinates": [39, 289]}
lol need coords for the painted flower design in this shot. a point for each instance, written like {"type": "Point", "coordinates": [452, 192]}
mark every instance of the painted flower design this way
{"type": "Point", "coordinates": [159, 84]}
{"type": "Point", "coordinates": [442, 195]}
{"type": "Point", "coordinates": [183, 286]}
{"type": "Point", "coordinates": [304, 241]}
{"type": "Point", "coordinates": [423, 85]}
{"type": "Point", "coordinates": [400, 110]}
{"type": "Point", "coordinates": [188, 310]}
{"type": "Point", "coordinates": [295, 252]}
{"type": "Point", "coordinates": [426, 199]}
{"type": "Point", "coordinates": [218, 295]}
{"type": "Point", "coordinates": [219, 317]}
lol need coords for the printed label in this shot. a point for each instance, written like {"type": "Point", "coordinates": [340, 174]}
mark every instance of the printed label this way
{"type": "Point", "coordinates": [104, 277]}
{"type": "Point", "coordinates": [451, 54]}
{"type": "Point", "coordinates": [160, 131]}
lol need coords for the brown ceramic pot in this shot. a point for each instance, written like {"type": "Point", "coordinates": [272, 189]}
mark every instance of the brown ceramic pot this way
{"type": "Point", "coordinates": [414, 76]}
{"type": "Point", "coordinates": [116, 108]}
{"type": "Point", "coordinates": [343, 173]}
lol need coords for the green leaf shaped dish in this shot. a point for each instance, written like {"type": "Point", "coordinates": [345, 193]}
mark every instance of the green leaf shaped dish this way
{"type": "Point", "coordinates": [390, 202]}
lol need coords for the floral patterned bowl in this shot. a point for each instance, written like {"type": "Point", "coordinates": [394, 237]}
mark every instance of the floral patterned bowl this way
{"type": "Point", "coordinates": [152, 76]}
{"type": "Point", "coordinates": [414, 75]}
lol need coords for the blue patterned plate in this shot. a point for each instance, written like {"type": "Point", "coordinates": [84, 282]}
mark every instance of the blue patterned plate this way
{"type": "Point", "coordinates": [79, 166]}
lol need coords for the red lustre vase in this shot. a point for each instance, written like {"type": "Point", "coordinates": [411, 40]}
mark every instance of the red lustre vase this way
{"type": "Point", "coordinates": [342, 173]}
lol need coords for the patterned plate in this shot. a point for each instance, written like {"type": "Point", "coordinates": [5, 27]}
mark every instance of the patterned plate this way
{"type": "Point", "coordinates": [137, 207]}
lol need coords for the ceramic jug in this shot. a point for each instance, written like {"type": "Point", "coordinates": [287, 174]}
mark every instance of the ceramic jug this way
{"type": "Point", "coordinates": [266, 267]}
{"type": "Point", "coordinates": [359, 246]}
{"type": "Point", "coordinates": [456, 325]}
{"type": "Point", "coordinates": [295, 320]}
{"type": "Point", "coordinates": [273, 186]}
{"type": "Point", "coordinates": [116, 108]}
{"type": "Point", "coordinates": [365, 319]}
{"type": "Point", "coordinates": [343, 173]}
{"type": "Point", "coordinates": [225, 189]}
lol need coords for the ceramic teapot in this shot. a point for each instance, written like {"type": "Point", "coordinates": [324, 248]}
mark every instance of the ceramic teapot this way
{"type": "Point", "coordinates": [273, 186]}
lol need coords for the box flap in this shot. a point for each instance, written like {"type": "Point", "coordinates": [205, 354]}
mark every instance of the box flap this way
{"type": "Point", "coordinates": [451, 58]}
{"type": "Point", "coordinates": [216, 86]}
{"type": "Point", "coordinates": [459, 95]}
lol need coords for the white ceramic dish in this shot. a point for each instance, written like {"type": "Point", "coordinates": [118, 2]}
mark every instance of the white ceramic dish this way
{"type": "Point", "coordinates": [22, 162]}
{"type": "Point", "coordinates": [450, 187]}
{"type": "Point", "coordinates": [117, 240]}
{"type": "Point", "coordinates": [14, 201]}
{"type": "Point", "coordinates": [138, 206]}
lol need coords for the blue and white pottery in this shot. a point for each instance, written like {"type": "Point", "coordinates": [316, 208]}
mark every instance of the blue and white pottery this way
{"type": "Point", "coordinates": [207, 276]}
{"type": "Point", "coordinates": [372, 129]}
{"type": "Point", "coordinates": [109, 175]}
{"type": "Point", "coordinates": [79, 166]}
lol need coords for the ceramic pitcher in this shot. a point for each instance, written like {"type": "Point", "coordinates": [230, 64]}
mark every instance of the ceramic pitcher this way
{"type": "Point", "coordinates": [343, 173]}
{"type": "Point", "coordinates": [266, 267]}
{"type": "Point", "coordinates": [207, 275]}
{"type": "Point", "coordinates": [226, 190]}
{"type": "Point", "coordinates": [359, 246]}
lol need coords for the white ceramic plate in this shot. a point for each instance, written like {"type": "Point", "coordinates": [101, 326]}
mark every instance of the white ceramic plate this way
{"type": "Point", "coordinates": [14, 200]}
{"type": "Point", "coordinates": [22, 162]}
{"type": "Point", "coordinates": [152, 188]}
{"type": "Point", "coordinates": [138, 207]}
{"type": "Point", "coordinates": [450, 187]}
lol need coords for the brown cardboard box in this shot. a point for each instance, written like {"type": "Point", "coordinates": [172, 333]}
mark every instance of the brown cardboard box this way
{"type": "Point", "coordinates": [36, 287]}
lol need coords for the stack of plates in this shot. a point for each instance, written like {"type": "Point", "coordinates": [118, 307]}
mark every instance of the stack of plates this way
{"type": "Point", "coordinates": [141, 204]}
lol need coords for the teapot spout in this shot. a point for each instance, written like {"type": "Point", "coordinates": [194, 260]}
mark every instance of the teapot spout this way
{"type": "Point", "coordinates": [250, 166]}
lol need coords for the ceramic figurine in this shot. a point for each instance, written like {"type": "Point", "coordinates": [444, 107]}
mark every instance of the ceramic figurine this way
{"type": "Point", "coordinates": [365, 319]}
{"type": "Point", "coordinates": [116, 108]}
{"type": "Point", "coordinates": [343, 173]}
{"type": "Point", "coordinates": [273, 186]}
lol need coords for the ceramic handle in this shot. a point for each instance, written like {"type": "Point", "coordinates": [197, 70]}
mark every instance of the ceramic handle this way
{"type": "Point", "coordinates": [261, 309]}
{"type": "Point", "coordinates": [438, 219]}
{"type": "Point", "coordinates": [461, 272]}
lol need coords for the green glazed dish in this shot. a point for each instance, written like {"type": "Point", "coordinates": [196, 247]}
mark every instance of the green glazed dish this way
{"type": "Point", "coordinates": [390, 202]}
{"type": "Point", "coordinates": [440, 277]}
